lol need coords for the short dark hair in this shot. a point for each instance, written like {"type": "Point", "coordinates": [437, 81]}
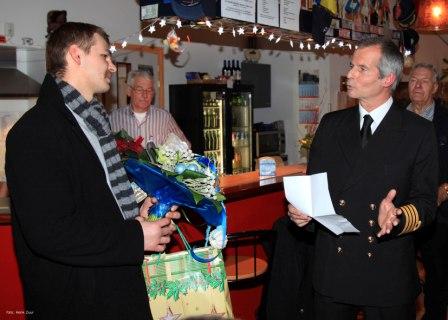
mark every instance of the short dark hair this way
{"type": "Point", "coordinates": [391, 60]}
{"type": "Point", "coordinates": [63, 37]}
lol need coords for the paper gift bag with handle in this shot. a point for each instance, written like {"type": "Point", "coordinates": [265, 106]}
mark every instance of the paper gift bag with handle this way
{"type": "Point", "coordinates": [179, 286]}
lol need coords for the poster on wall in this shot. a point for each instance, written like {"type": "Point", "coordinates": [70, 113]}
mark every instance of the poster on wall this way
{"type": "Point", "coordinates": [243, 10]}
{"type": "Point", "coordinates": [289, 14]}
{"type": "Point", "coordinates": [268, 12]}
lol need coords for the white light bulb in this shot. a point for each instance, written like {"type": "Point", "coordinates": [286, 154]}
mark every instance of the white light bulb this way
{"type": "Point", "coordinates": [208, 23]}
{"type": "Point", "coordinates": [262, 32]}
{"type": "Point", "coordinates": [233, 32]}
{"type": "Point", "coordinates": [271, 37]}
{"type": "Point", "coordinates": [179, 23]}
{"type": "Point", "coordinates": [278, 39]}
{"type": "Point", "coordinates": [220, 30]}
{"type": "Point", "coordinates": [301, 45]}
{"type": "Point", "coordinates": [291, 44]}
{"type": "Point", "coordinates": [152, 29]}
{"type": "Point", "coordinates": [254, 29]}
{"type": "Point", "coordinates": [124, 44]}
{"type": "Point", "coordinates": [112, 49]}
{"type": "Point", "coordinates": [162, 22]}
{"type": "Point", "coordinates": [140, 37]}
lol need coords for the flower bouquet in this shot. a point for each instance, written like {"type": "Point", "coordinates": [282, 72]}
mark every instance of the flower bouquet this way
{"type": "Point", "coordinates": [174, 175]}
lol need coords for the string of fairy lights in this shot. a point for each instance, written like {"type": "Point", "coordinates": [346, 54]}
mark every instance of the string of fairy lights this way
{"type": "Point", "coordinates": [274, 35]}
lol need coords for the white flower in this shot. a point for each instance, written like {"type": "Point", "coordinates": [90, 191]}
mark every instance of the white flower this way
{"type": "Point", "coordinates": [217, 238]}
{"type": "Point", "coordinates": [174, 143]}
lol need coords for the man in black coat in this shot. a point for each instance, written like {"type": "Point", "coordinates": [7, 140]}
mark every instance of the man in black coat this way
{"type": "Point", "coordinates": [433, 241]}
{"type": "Point", "coordinates": [384, 182]}
{"type": "Point", "coordinates": [78, 243]}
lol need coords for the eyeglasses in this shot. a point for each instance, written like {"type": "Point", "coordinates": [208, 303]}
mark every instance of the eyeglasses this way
{"type": "Point", "coordinates": [142, 91]}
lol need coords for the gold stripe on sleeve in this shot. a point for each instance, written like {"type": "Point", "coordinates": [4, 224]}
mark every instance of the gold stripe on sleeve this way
{"type": "Point", "coordinates": [412, 222]}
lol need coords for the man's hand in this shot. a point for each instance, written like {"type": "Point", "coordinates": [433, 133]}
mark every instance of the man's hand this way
{"type": "Point", "coordinates": [388, 214]}
{"type": "Point", "coordinates": [298, 217]}
{"type": "Point", "coordinates": [442, 194]}
{"type": "Point", "coordinates": [149, 202]}
{"type": "Point", "coordinates": [144, 209]}
{"type": "Point", "coordinates": [157, 234]}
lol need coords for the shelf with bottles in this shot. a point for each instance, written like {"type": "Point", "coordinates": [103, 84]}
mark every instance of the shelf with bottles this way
{"type": "Point", "coordinates": [212, 118]}
{"type": "Point", "coordinates": [215, 156]}
{"type": "Point", "coordinates": [212, 140]}
{"type": "Point", "coordinates": [240, 128]}
{"type": "Point", "coordinates": [231, 70]}
{"type": "Point", "coordinates": [240, 139]}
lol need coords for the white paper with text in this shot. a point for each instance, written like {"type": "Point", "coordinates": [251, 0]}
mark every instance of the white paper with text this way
{"type": "Point", "coordinates": [310, 195]}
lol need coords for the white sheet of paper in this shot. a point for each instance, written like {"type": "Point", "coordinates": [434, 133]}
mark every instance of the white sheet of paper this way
{"type": "Point", "coordinates": [310, 195]}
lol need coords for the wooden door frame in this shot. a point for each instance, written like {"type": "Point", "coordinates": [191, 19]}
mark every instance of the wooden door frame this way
{"type": "Point", "coordinates": [159, 53]}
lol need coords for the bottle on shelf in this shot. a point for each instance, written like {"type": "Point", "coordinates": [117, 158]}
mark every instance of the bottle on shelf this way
{"type": "Point", "coordinates": [229, 69]}
{"type": "Point", "coordinates": [224, 69]}
{"type": "Point", "coordinates": [237, 73]}
{"type": "Point", "coordinates": [205, 118]}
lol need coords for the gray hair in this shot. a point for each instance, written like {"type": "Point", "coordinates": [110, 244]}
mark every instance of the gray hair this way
{"type": "Point", "coordinates": [138, 73]}
{"type": "Point", "coordinates": [428, 66]}
{"type": "Point", "coordinates": [391, 61]}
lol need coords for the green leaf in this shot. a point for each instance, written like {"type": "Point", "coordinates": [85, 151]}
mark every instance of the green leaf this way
{"type": "Point", "coordinates": [197, 197]}
{"type": "Point", "coordinates": [170, 173]}
{"type": "Point", "coordinates": [220, 197]}
{"type": "Point", "coordinates": [123, 134]}
{"type": "Point", "coordinates": [190, 174]}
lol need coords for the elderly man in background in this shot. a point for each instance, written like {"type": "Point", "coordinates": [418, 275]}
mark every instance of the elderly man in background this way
{"type": "Point", "coordinates": [140, 118]}
{"type": "Point", "coordinates": [433, 241]}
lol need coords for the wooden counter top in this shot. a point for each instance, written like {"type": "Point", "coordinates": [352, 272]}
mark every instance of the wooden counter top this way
{"type": "Point", "coordinates": [249, 184]}
{"type": "Point", "coordinates": [235, 187]}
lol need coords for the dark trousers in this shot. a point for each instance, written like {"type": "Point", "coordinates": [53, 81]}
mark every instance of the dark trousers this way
{"type": "Point", "coordinates": [434, 251]}
{"type": "Point", "coordinates": [327, 309]}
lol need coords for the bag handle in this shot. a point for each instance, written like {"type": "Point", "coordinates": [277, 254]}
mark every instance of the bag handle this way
{"type": "Point", "coordinates": [191, 250]}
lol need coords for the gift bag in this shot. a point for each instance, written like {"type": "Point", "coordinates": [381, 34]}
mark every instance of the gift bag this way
{"type": "Point", "coordinates": [179, 286]}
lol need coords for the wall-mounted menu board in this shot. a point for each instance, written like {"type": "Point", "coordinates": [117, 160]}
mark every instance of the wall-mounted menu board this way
{"type": "Point", "coordinates": [243, 10]}
{"type": "Point", "coordinates": [268, 12]}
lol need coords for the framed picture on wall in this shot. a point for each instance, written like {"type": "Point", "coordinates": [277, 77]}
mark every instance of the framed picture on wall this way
{"type": "Point", "coordinates": [123, 68]}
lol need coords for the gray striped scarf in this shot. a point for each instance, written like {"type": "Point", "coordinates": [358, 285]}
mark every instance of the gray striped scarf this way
{"type": "Point", "coordinates": [97, 121]}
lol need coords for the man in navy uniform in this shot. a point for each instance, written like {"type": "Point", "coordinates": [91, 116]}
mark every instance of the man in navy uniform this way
{"type": "Point", "coordinates": [382, 171]}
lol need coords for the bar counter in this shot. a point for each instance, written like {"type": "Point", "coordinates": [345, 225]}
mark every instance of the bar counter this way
{"type": "Point", "coordinates": [251, 203]}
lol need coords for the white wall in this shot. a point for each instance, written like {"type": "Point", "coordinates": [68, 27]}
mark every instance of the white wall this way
{"type": "Point", "coordinates": [121, 18]}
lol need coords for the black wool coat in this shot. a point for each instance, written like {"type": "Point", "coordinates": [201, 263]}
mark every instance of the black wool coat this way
{"type": "Point", "coordinates": [78, 257]}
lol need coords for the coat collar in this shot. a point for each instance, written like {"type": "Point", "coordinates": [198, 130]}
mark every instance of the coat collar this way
{"type": "Point", "coordinates": [50, 96]}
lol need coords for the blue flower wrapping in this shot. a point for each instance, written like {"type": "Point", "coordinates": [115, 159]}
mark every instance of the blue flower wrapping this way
{"type": "Point", "coordinates": [169, 192]}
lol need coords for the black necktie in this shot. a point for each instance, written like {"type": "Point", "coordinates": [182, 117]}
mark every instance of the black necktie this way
{"type": "Point", "coordinates": [366, 131]}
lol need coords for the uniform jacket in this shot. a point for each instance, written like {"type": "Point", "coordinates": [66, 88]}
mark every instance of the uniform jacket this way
{"type": "Point", "coordinates": [360, 268]}
{"type": "Point", "coordinates": [78, 258]}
